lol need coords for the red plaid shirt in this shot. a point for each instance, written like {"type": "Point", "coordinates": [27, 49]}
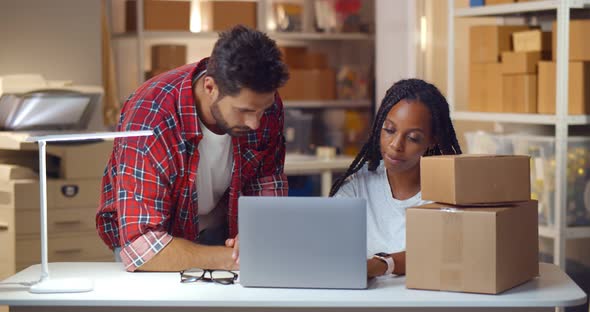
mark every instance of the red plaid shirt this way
{"type": "Point", "coordinates": [149, 190]}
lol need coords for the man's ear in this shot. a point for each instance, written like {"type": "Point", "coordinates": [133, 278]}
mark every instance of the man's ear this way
{"type": "Point", "coordinates": [210, 87]}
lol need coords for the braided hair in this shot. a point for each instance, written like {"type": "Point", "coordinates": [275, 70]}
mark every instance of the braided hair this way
{"type": "Point", "coordinates": [409, 89]}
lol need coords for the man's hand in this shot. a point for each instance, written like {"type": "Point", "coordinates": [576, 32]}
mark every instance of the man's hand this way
{"type": "Point", "coordinates": [235, 244]}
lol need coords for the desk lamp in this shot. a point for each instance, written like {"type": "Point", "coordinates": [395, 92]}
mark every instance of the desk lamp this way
{"type": "Point", "coordinates": [63, 285]}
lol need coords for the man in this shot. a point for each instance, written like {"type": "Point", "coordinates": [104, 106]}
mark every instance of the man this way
{"type": "Point", "coordinates": [169, 201]}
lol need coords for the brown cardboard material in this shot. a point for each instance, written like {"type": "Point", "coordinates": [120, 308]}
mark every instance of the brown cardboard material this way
{"type": "Point", "coordinates": [578, 88]}
{"type": "Point", "coordinates": [485, 87]}
{"type": "Point", "coordinates": [532, 41]}
{"type": "Point", "coordinates": [14, 172]}
{"type": "Point", "coordinates": [69, 161]}
{"type": "Point", "coordinates": [158, 15]}
{"type": "Point", "coordinates": [495, 2]}
{"type": "Point", "coordinates": [579, 44]}
{"type": "Point", "coordinates": [475, 179]}
{"type": "Point", "coordinates": [310, 84]}
{"type": "Point", "coordinates": [294, 57]}
{"type": "Point", "coordinates": [479, 250]}
{"type": "Point", "coordinates": [168, 56]}
{"type": "Point", "coordinates": [222, 15]}
{"type": "Point", "coordinates": [71, 193]}
{"type": "Point", "coordinates": [520, 94]}
{"type": "Point", "coordinates": [7, 241]}
{"type": "Point", "coordinates": [315, 60]}
{"type": "Point", "coordinates": [521, 62]}
{"type": "Point", "coordinates": [487, 42]}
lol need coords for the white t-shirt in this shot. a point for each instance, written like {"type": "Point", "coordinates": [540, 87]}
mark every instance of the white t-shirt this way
{"type": "Point", "coordinates": [386, 216]}
{"type": "Point", "coordinates": [213, 175]}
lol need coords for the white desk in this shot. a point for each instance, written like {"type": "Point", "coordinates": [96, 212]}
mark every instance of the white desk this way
{"type": "Point", "coordinates": [117, 290]}
{"type": "Point", "coordinates": [306, 164]}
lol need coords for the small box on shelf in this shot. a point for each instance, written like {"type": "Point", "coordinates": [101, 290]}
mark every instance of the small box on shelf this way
{"type": "Point", "coordinates": [532, 41]}
{"type": "Point", "coordinates": [159, 15]}
{"type": "Point", "coordinates": [579, 48]}
{"type": "Point", "coordinates": [521, 62]}
{"type": "Point", "coordinates": [485, 87]}
{"type": "Point", "coordinates": [168, 56]}
{"type": "Point", "coordinates": [487, 42]}
{"type": "Point", "coordinates": [222, 15]}
{"type": "Point", "coordinates": [310, 84]}
{"type": "Point", "coordinates": [578, 88]}
{"type": "Point", "coordinates": [519, 93]}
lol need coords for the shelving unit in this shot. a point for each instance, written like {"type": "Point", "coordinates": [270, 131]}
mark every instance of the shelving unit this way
{"type": "Point", "coordinates": [305, 37]}
{"type": "Point", "coordinates": [131, 55]}
{"type": "Point", "coordinates": [559, 232]}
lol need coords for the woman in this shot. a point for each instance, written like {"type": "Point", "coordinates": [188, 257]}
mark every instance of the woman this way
{"type": "Point", "coordinates": [413, 121]}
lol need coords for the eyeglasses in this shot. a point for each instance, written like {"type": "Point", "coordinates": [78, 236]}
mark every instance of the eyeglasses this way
{"type": "Point", "coordinates": [224, 277]}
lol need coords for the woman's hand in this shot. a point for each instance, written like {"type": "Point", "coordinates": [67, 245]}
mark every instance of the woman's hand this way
{"type": "Point", "coordinates": [375, 267]}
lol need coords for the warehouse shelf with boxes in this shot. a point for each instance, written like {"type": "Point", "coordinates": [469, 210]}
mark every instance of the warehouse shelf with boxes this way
{"type": "Point", "coordinates": [329, 49]}
{"type": "Point", "coordinates": [531, 70]}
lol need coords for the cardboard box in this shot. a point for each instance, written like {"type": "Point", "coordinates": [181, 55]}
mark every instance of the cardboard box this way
{"type": "Point", "coordinates": [521, 62]}
{"type": "Point", "coordinates": [487, 42]}
{"type": "Point", "coordinates": [479, 250]}
{"type": "Point", "coordinates": [579, 43]}
{"type": "Point", "coordinates": [168, 56]}
{"type": "Point", "coordinates": [532, 41]}
{"type": "Point", "coordinates": [485, 87]}
{"type": "Point", "coordinates": [316, 60]}
{"type": "Point", "coordinates": [294, 57]}
{"type": "Point", "coordinates": [310, 84]}
{"type": "Point", "coordinates": [495, 2]}
{"type": "Point", "coordinates": [70, 193]}
{"type": "Point", "coordinates": [223, 15]}
{"type": "Point", "coordinates": [159, 15]}
{"type": "Point", "coordinates": [475, 179]}
{"type": "Point", "coordinates": [578, 88]}
{"type": "Point", "coordinates": [68, 161]}
{"type": "Point", "coordinates": [520, 94]}
{"type": "Point", "coordinates": [15, 172]}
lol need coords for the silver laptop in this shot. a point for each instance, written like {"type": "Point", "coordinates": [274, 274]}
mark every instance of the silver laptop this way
{"type": "Point", "coordinates": [303, 242]}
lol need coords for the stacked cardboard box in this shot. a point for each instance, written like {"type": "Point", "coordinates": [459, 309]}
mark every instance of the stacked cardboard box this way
{"type": "Point", "coordinates": [579, 72]}
{"type": "Point", "coordinates": [520, 70]}
{"type": "Point", "coordinates": [481, 234]}
{"type": "Point", "coordinates": [73, 191]}
{"type": "Point", "coordinates": [166, 57]}
{"type": "Point", "coordinates": [487, 43]}
{"type": "Point", "coordinates": [310, 76]}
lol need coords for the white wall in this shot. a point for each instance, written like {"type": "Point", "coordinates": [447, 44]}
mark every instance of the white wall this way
{"type": "Point", "coordinates": [395, 43]}
{"type": "Point", "coordinates": [58, 38]}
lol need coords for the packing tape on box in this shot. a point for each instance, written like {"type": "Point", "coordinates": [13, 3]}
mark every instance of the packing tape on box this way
{"type": "Point", "coordinates": [451, 277]}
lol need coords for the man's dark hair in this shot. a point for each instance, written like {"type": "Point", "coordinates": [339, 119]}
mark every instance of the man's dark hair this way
{"type": "Point", "coordinates": [246, 58]}
{"type": "Point", "coordinates": [442, 128]}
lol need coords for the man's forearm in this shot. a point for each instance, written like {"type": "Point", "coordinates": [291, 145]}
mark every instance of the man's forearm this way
{"type": "Point", "coordinates": [181, 254]}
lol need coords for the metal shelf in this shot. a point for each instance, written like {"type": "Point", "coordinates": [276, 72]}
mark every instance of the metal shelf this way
{"type": "Point", "coordinates": [328, 104]}
{"type": "Point", "coordinates": [516, 8]}
{"type": "Point", "coordinates": [571, 232]}
{"type": "Point", "coordinates": [274, 35]}
{"type": "Point", "coordinates": [319, 36]}
{"type": "Point", "coordinates": [533, 119]}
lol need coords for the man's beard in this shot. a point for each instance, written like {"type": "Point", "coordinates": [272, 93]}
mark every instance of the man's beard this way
{"type": "Point", "coordinates": [222, 123]}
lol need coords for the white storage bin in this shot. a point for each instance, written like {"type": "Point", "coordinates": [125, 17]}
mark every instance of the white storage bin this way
{"type": "Point", "coordinates": [542, 152]}
{"type": "Point", "coordinates": [480, 142]}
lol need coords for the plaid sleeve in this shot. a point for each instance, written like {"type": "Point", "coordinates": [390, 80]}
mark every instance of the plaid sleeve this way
{"type": "Point", "coordinates": [270, 179]}
{"type": "Point", "coordinates": [143, 200]}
